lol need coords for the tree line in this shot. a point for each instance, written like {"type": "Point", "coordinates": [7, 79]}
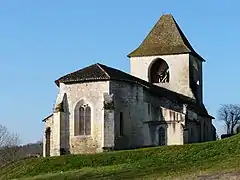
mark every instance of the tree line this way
{"type": "Point", "coordinates": [229, 114]}
{"type": "Point", "coordinates": [10, 149]}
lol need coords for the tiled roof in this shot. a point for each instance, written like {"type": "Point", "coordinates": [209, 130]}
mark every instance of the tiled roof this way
{"type": "Point", "coordinates": [99, 72]}
{"type": "Point", "coordinates": [92, 72]}
{"type": "Point", "coordinates": [165, 38]}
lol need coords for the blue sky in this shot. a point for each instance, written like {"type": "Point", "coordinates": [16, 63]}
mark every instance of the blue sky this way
{"type": "Point", "coordinates": [43, 40]}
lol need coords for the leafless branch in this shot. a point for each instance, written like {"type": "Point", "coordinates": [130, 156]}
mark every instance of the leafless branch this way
{"type": "Point", "coordinates": [230, 115]}
{"type": "Point", "coordinates": [9, 142]}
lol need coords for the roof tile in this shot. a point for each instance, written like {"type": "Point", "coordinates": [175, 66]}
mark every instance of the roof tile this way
{"type": "Point", "coordinates": [165, 38]}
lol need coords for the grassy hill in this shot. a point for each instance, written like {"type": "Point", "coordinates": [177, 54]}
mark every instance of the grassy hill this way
{"type": "Point", "coordinates": [148, 163]}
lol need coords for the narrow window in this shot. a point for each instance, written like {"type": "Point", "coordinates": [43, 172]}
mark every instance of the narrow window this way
{"type": "Point", "coordinates": [149, 109]}
{"type": "Point", "coordinates": [161, 136]}
{"type": "Point", "coordinates": [76, 122]}
{"type": "Point", "coordinates": [81, 121]}
{"type": "Point", "coordinates": [192, 133]}
{"type": "Point", "coordinates": [121, 124]}
{"type": "Point", "coordinates": [204, 131]}
{"type": "Point", "coordinates": [189, 135]}
{"type": "Point", "coordinates": [170, 112]}
{"type": "Point", "coordinates": [87, 120]}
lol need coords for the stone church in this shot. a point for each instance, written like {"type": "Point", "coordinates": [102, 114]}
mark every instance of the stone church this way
{"type": "Point", "coordinates": [160, 102]}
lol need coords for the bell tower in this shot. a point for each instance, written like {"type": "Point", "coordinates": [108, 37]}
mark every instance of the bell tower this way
{"type": "Point", "coordinates": [166, 58]}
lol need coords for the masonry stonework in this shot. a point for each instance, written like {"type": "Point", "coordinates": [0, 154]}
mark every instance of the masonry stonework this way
{"type": "Point", "coordinates": [48, 124]}
{"type": "Point", "coordinates": [92, 94]}
{"type": "Point", "coordinates": [178, 67]}
{"type": "Point", "coordinates": [140, 128]}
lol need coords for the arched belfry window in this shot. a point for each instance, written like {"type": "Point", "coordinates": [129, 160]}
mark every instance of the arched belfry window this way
{"type": "Point", "coordinates": [161, 136]}
{"type": "Point", "coordinates": [82, 120]}
{"type": "Point", "coordinates": [159, 72]}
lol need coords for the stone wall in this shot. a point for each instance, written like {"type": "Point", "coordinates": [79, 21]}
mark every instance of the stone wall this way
{"type": "Point", "coordinates": [128, 99]}
{"type": "Point", "coordinates": [143, 115]}
{"type": "Point", "coordinates": [109, 122]}
{"type": "Point", "coordinates": [175, 122]}
{"type": "Point", "coordinates": [196, 129]}
{"type": "Point", "coordinates": [48, 124]}
{"type": "Point", "coordinates": [140, 126]}
{"type": "Point", "coordinates": [178, 67]}
{"type": "Point", "coordinates": [90, 93]}
{"type": "Point", "coordinates": [54, 122]}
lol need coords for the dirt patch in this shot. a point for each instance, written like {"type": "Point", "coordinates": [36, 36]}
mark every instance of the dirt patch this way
{"type": "Point", "coordinates": [213, 176]}
{"type": "Point", "coordinates": [220, 176]}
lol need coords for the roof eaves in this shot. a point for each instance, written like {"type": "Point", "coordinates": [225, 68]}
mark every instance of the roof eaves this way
{"type": "Point", "coordinates": [162, 54]}
{"type": "Point", "coordinates": [85, 80]}
{"type": "Point", "coordinates": [203, 113]}
{"type": "Point", "coordinates": [157, 54]}
{"type": "Point", "coordinates": [198, 56]}
{"type": "Point", "coordinates": [57, 82]}
{"type": "Point", "coordinates": [44, 120]}
{"type": "Point", "coordinates": [145, 85]}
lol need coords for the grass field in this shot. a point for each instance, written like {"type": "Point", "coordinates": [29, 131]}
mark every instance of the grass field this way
{"type": "Point", "coordinates": [148, 163]}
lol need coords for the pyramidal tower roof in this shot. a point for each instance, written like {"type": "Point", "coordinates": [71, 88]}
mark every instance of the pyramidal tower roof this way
{"type": "Point", "coordinates": [165, 38]}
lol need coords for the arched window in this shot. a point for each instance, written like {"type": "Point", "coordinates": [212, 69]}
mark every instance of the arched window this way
{"type": "Point", "coordinates": [82, 121]}
{"type": "Point", "coordinates": [159, 72]}
{"type": "Point", "coordinates": [161, 136]}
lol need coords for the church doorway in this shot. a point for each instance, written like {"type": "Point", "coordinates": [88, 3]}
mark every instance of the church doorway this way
{"type": "Point", "coordinates": [47, 147]}
{"type": "Point", "coordinates": [161, 136]}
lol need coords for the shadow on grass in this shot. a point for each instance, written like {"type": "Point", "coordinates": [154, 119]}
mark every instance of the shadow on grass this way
{"type": "Point", "coordinates": [144, 172]}
{"type": "Point", "coordinates": [114, 173]}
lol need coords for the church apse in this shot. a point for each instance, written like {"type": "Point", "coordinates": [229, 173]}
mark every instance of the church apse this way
{"type": "Point", "coordinates": [82, 139]}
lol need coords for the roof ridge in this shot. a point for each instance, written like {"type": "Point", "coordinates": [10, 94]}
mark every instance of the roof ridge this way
{"type": "Point", "coordinates": [182, 35]}
{"type": "Point", "coordinates": [100, 66]}
{"type": "Point", "coordinates": [85, 73]}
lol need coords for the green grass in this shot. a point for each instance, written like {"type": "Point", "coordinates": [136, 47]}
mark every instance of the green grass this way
{"type": "Point", "coordinates": [145, 163]}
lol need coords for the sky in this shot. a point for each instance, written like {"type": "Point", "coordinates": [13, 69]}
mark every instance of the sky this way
{"type": "Point", "coordinates": [41, 41]}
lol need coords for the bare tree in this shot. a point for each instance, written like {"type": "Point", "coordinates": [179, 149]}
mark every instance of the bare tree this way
{"type": "Point", "coordinates": [230, 115]}
{"type": "Point", "coordinates": [9, 149]}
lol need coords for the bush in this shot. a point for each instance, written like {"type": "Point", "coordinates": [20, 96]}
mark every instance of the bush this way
{"type": "Point", "coordinates": [223, 136]}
